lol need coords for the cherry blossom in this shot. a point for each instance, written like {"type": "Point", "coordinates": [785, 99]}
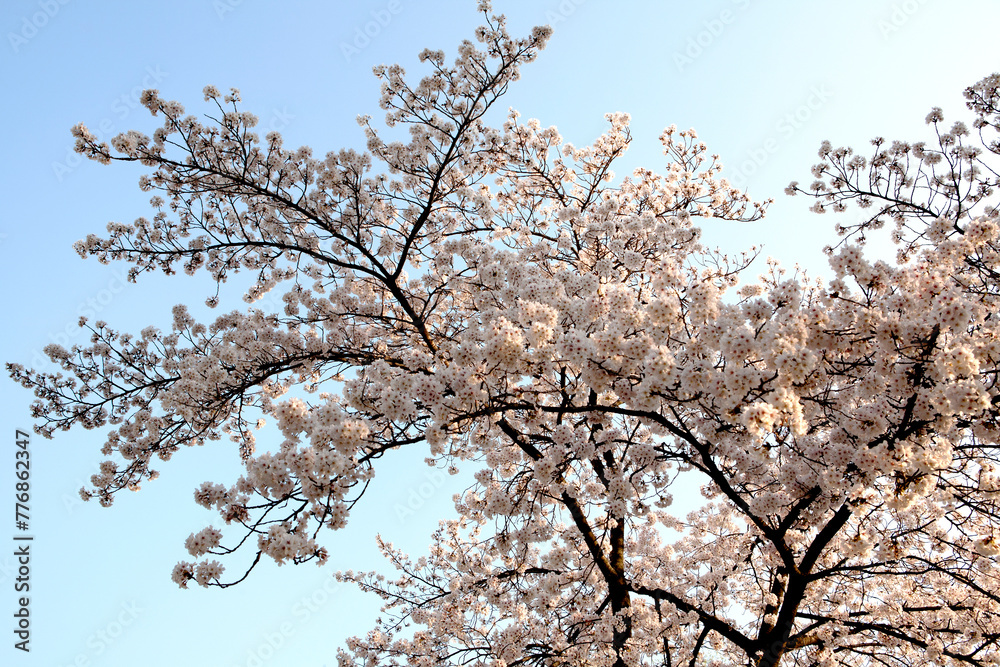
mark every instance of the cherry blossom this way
{"type": "Point", "coordinates": [497, 298]}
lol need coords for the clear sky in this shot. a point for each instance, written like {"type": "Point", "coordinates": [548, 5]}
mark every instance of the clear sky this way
{"type": "Point", "coordinates": [763, 83]}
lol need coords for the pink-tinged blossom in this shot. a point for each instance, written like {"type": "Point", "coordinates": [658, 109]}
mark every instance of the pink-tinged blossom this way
{"type": "Point", "coordinates": [500, 300]}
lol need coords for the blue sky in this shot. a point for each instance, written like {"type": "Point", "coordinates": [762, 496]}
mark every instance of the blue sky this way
{"type": "Point", "coordinates": [763, 83]}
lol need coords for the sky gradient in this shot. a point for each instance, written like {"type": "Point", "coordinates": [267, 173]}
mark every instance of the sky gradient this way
{"type": "Point", "coordinates": [763, 83]}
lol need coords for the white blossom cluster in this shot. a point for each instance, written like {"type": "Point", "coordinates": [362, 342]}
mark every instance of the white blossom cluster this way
{"type": "Point", "coordinates": [500, 298]}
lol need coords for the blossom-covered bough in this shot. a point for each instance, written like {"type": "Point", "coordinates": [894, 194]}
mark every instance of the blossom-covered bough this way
{"type": "Point", "coordinates": [494, 297]}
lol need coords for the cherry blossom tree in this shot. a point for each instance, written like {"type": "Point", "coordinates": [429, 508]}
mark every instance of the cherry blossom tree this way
{"type": "Point", "coordinates": [495, 298]}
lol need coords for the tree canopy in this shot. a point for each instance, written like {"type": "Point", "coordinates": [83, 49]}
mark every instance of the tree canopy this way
{"type": "Point", "coordinates": [495, 297]}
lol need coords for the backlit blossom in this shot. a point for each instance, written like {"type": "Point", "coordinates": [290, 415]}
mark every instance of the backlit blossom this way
{"type": "Point", "coordinates": [499, 301]}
